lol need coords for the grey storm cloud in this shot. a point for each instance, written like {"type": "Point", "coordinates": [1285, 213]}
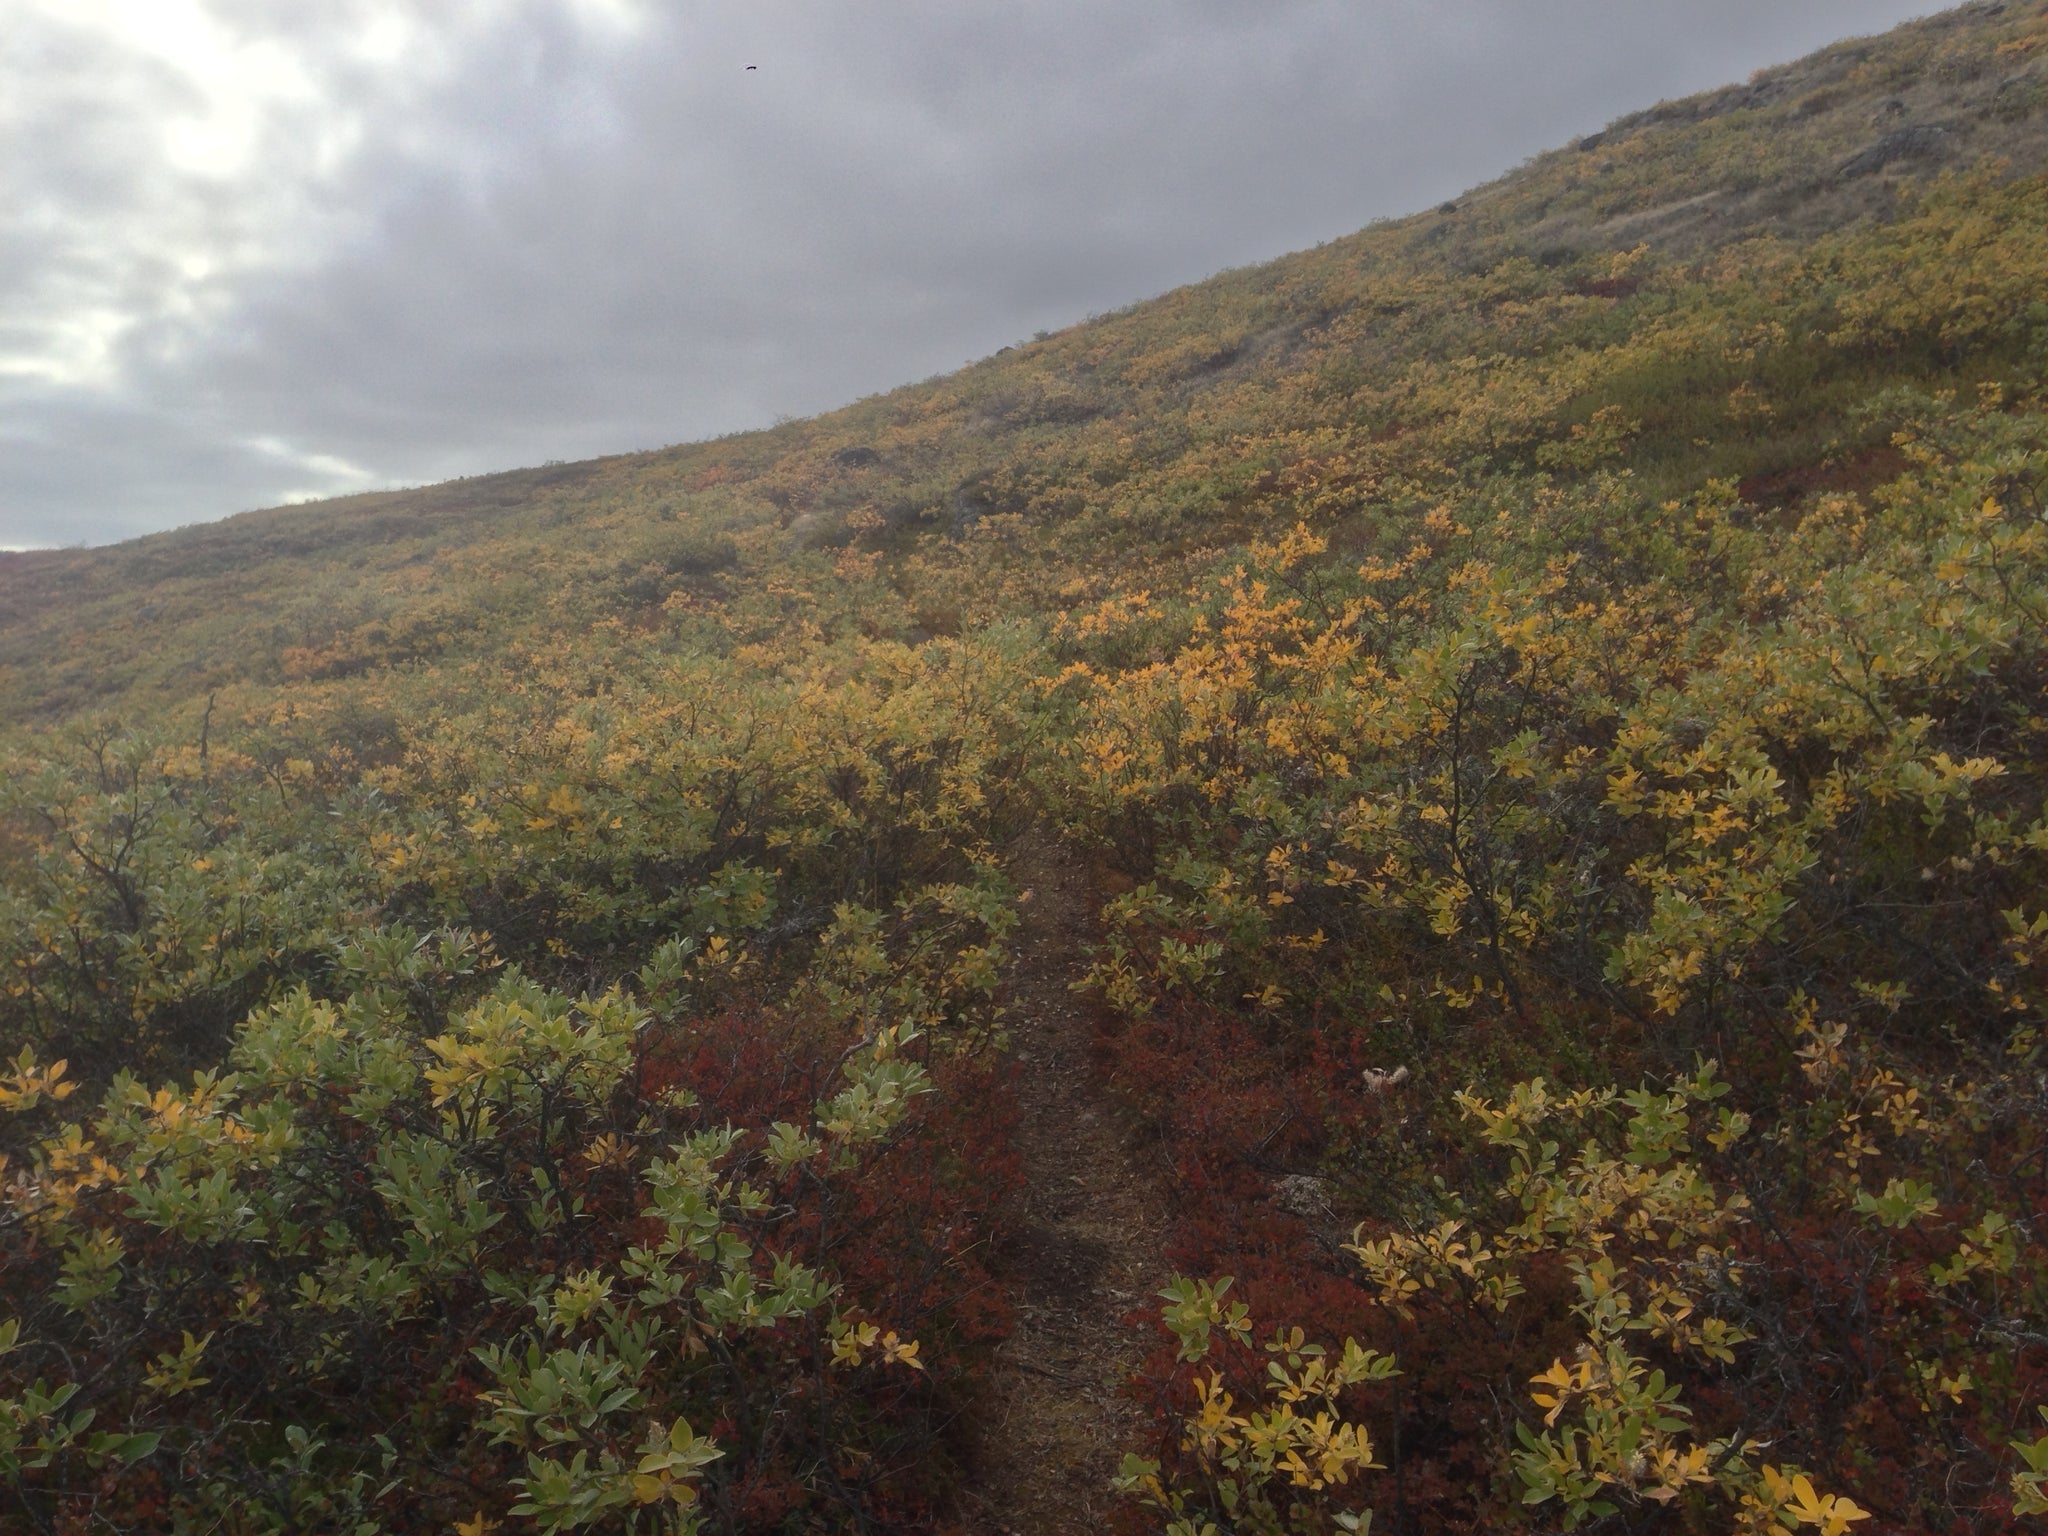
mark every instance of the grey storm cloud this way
{"type": "Point", "coordinates": [253, 253]}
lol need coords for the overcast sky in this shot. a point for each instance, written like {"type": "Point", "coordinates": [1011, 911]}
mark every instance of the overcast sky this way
{"type": "Point", "coordinates": [254, 252]}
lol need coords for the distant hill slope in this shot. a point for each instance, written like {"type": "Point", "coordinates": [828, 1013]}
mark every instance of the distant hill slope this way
{"type": "Point", "coordinates": [1149, 438]}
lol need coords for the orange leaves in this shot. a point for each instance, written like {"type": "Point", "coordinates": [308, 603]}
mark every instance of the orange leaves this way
{"type": "Point", "coordinates": [853, 1339]}
{"type": "Point", "coordinates": [27, 1085]}
{"type": "Point", "coordinates": [1292, 548]}
{"type": "Point", "coordinates": [1792, 1499]}
{"type": "Point", "coordinates": [1110, 616]}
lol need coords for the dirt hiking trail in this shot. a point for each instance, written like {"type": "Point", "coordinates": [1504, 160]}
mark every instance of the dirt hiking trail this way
{"type": "Point", "coordinates": [1089, 1251]}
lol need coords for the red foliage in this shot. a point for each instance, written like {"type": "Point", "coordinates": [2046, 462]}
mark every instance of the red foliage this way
{"type": "Point", "coordinates": [906, 1235]}
{"type": "Point", "coordinates": [1240, 1105]}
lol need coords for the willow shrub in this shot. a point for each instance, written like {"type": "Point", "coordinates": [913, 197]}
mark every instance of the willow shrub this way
{"type": "Point", "coordinates": [429, 1250]}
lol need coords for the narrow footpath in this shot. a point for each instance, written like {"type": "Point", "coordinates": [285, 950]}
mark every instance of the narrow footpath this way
{"type": "Point", "coordinates": [1088, 1256]}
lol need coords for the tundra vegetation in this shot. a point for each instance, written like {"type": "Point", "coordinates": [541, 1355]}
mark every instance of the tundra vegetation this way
{"type": "Point", "coordinates": [504, 985]}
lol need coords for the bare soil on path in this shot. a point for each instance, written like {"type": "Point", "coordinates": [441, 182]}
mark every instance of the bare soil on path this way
{"type": "Point", "coordinates": [1088, 1255]}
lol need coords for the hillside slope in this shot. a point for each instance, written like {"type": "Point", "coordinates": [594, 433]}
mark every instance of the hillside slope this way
{"type": "Point", "coordinates": [1159, 435]}
{"type": "Point", "coordinates": [1469, 806]}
